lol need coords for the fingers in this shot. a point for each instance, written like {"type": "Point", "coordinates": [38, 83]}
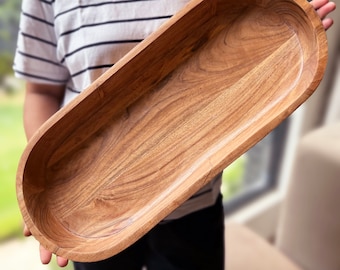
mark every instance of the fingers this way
{"type": "Point", "coordinates": [45, 255]}
{"type": "Point", "coordinates": [318, 3]}
{"type": "Point", "coordinates": [323, 11]}
{"type": "Point", "coordinates": [62, 262]}
{"type": "Point", "coordinates": [26, 231]}
{"type": "Point", "coordinates": [324, 8]}
{"type": "Point", "coordinates": [327, 23]}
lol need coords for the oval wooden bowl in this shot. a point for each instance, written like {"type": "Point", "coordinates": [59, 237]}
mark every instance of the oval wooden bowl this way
{"type": "Point", "coordinates": [154, 129]}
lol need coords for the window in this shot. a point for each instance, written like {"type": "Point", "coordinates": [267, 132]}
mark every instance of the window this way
{"type": "Point", "coordinates": [255, 172]}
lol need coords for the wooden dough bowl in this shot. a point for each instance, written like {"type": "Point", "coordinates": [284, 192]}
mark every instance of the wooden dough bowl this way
{"type": "Point", "coordinates": [179, 108]}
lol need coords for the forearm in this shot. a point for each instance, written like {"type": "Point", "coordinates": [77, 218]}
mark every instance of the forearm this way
{"type": "Point", "coordinates": [41, 102]}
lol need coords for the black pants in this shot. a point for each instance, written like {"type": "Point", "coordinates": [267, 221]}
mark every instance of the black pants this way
{"type": "Point", "coordinates": [193, 242]}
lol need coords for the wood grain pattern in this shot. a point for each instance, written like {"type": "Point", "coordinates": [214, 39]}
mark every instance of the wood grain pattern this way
{"type": "Point", "coordinates": [180, 107]}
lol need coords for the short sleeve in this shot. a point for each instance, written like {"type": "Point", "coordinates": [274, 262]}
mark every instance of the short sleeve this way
{"type": "Point", "coordinates": [36, 53]}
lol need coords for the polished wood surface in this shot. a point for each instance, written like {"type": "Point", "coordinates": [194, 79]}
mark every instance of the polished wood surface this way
{"type": "Point", "coordinates": [181, 106]}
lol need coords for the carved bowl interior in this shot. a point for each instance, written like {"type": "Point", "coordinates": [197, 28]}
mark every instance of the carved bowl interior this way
{"type": "Point", "coordinates": [179, 108]}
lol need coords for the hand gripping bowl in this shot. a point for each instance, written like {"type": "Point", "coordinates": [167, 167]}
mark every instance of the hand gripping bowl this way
{"type": "Point", "coordinates": [181, 106]}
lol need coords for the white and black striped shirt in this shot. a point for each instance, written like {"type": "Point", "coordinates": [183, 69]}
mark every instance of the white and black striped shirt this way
{"type": "Point", "coordinates": [74, 42]}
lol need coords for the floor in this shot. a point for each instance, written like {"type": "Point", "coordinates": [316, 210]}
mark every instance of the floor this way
{"type": "Point", "coordinates": [19, 254]}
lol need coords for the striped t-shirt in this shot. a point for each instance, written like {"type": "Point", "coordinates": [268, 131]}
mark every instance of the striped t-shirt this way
{"type": "Point", "coordinates": [73, 42]}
